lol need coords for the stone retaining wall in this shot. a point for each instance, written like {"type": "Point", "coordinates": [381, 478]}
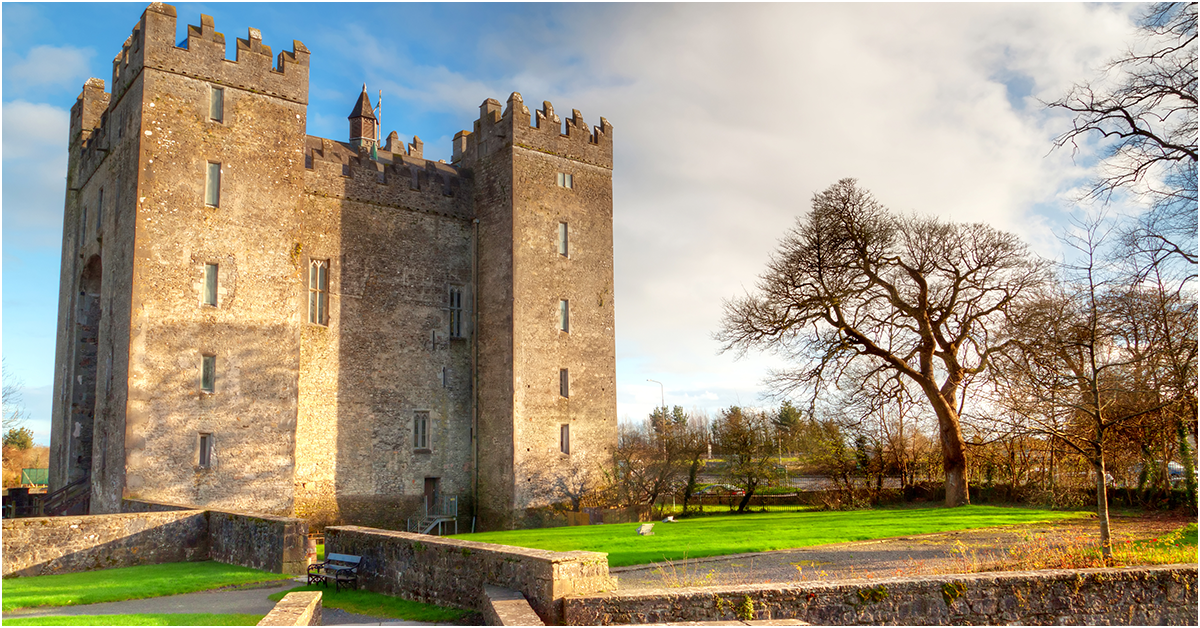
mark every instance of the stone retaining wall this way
{"type": "Point", "coordinates": [302, 608]}
{"type": "Point", "coordinates": [275, 544]}
{"type": "Point", "coordinates": [451, 572]}
{"type": "Point", "coordinates": [1131, 596]}
{"type": "Point", "coordinates": [39, 546]}
{"type": "Point", "coordinates": [505, 607]}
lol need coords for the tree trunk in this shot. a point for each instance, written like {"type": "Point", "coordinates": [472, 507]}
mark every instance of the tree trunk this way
{"type": "Point", "coordinates": [954, 458]}
{"type": "Point", "coordinates": [1102, 507]}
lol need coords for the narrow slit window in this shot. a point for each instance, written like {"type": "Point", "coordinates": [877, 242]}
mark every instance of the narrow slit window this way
{"type": "Point", "coordinates": [208, 373]}
{"type": "Point", "coordinates": [100, 210]}
{"type": "Point", "coordinates": [456, 312]}
{"type": "Point", "coordinates": [216, 104]}
{"type": "Point", "coordinates": [445, 378]}
{"type": "Point", "coordinates": [212, 185]}
{"type": "Point", "coordinates": [564, 383]}
{"type": "Point", "coordinates": [205, 457]}
{"type": "Point", "coordinates": [318, 292]}
{"type": "Point", "coordinates": [421, 430]}
{"type": "Point", "coordinates": [564, 438]}
{"type": "Point", "coordinates": [566, 181]}
{"type": "Point", "coordinates": [210, 284]}
{"type": "Point", "coordinates": [563, 249]}
{"type": "Point", "coordinates": [83, 224]}
{"type": "Point", "coordinates": [564, 315]}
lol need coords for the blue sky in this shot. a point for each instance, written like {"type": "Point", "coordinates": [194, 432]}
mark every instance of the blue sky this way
{"type": "Point", "coordinates": [727, 119]}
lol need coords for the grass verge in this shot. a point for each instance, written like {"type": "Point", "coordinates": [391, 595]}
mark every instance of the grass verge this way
{"type": "Point", "coordinates": [736, 534]}
{"type": "Point", "coordinates": [127, 583]}
{"type": "Point", "coordinates": [150, 619]}
{"type": "Point", "coordinates": [378, 605]}
{"type": "Point", "coordinates": [1082, 552]}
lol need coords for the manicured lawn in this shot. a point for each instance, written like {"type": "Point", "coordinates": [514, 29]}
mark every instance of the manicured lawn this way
{"type": "Point", "coordinates": [734, 534]}
{"type": "Point", "coordinates": [378, 605]}
{"type": "Point", "coordinates": [159, 619]}
{"type": "Point", "coordinates": [126, 583]}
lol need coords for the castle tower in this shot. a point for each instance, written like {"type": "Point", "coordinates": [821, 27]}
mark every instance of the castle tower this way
{"type": "Point", "coordinates": [364, 126]}
{"type": "Point", "coordinates": [546, 346]}
{"type": "Point", "coordinates": [174, 344]}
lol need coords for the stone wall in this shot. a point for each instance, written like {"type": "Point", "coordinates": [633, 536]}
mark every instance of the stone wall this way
{"type": "Point", "coordinates": [40, 546]}
{"type": "Point", "coordinates": [452, 572]}
{"type": "Point", "coordinates": [50, 545]}
{"type": "Point", "coordinates": [1131, 596]}
{"type": "Point", "coordinates": [275, 544]}
{"type": "Point", "coordinates": [302, 608]}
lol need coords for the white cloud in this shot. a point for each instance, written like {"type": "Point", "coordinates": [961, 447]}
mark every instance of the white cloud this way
{"type": "Point", "coordinates": [35, 170]}
{"type": "Point", "coordinates": [62, 66]}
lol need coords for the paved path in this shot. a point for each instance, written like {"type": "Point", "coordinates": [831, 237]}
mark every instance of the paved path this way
{"type": "Point", "coordinates": [246, 599]}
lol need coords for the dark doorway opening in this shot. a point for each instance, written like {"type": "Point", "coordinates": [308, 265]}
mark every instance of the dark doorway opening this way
{"type": "Point", "coordinates": [83, 382]}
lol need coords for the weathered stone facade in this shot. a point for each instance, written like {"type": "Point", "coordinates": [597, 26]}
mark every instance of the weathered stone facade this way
{"type": "Point", "coordinates": [272, 390]}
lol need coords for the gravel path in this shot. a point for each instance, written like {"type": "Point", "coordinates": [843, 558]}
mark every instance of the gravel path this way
{"type": "Point", "coordinates": [912, 555]}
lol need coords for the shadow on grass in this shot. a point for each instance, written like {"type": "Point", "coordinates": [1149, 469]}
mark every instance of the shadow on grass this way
{"type": "Point", "coordinates": [127, 583]}
{"type": "Point", "coordinates": [379, 605]}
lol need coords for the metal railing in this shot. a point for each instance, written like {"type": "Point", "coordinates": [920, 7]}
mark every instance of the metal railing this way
{"type": "Point", "coordinates": [445, 510]}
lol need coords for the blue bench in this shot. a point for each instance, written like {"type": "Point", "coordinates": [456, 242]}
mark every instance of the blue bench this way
{"type": "Point", "coordinates": [342, 569]}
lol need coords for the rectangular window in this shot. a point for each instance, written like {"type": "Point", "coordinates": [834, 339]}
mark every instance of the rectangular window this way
{"type": "Point", "coordinates": [456, 312]}
{"type": "Point", "coordinates": [82, 223]}
{"type": "Point", "coordinates": [564, 315]}
{"type": "Point", "coordinates": [318, 292]}
{"type": "Point", "coordinates": [205, 458]}
{"type": "Point", "coordinates": [212, 185]}
{"type": "Point", "coordinates": [445, 378]}
{"type": "Point", "coordinates": [210, 284]}
{"type": "Point", "coordinates": [565, 180]}
{"type": "Point", "coordinates": [100, 210]}
{"type": "Point", "coordinates": [564, 383]}
{"type": "Point", "coordinates": [421, 430]}
{"type": "Point", "coordinates": [562, 239]}
{"type": "Point", "coordinates": [564, 439]}
{"type": "Point", "coordinates": [216, 104]}
{"type": "Point", "coordinates": [208, 373]}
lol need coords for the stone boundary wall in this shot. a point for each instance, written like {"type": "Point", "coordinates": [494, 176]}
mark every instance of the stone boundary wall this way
{"type": "Point", "coordinates": [1132, 596]}
{"type": "Point", "coordinates": [452, 572]}
{"type": "Point", "coordinates": [39, 546]}
{"type": "Point", "coordinates": [302, 608]}
{"type": "Point", "coordinates": [275, 544]}
{"type": "Point", "coordinates": [505, 607]}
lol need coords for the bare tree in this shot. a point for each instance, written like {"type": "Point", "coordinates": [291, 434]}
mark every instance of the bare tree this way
{"type": "Point", "coordinates": [14, 407]}
{"type": "Point", "coordinates": [1144, 106]}
{"type": "Point", "coordinates": [1085, 368]}
{"type": "Point", "coordinates": [918, 296]}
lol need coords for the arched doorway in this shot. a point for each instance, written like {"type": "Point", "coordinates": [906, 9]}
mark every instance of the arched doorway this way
{"type": "Point", "coordinates": [83, 380]}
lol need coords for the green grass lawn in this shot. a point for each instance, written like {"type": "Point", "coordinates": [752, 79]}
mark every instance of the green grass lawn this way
{"type": "Point", "coordinates": [378, 605]}
{"type": "Point", "coordinates": [734, 534]}
{"type": "Point", "coordinates": [126, 583]}
{"type": "Point", "coordinates": [157, 619]}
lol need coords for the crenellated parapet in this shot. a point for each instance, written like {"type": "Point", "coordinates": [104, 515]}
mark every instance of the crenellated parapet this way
{"type": "Point", "coordinates": [543, 132]}
{"type": "Point", "coordinates": [202, 56]}
{"type": "Point", "coordinates": [89, 131]}
{"type": "Point", "coordinates": [397, 179]}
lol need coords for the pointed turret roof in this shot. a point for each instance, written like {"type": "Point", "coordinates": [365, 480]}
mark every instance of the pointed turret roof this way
{"type": "Point", "coordinates": [362, 108]}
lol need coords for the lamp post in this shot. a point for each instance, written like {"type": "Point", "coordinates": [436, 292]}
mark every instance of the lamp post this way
{"type": "Point", "coordinates": [661, 393]}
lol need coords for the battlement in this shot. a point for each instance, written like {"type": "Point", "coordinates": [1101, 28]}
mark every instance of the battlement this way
{"type": "Point", "coordinates": [542, 132]}
{"type": "Point", "coordinates": [202, 56]}
{"type": "Point", "coordinates": [396, 178]}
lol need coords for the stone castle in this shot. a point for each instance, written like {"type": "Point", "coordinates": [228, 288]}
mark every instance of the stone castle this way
{"type": "Point", "coordinates": [258, 319]}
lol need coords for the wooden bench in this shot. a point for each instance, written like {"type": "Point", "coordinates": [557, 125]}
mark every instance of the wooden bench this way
{"type": "Point", "coordinates": [342, 569]}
